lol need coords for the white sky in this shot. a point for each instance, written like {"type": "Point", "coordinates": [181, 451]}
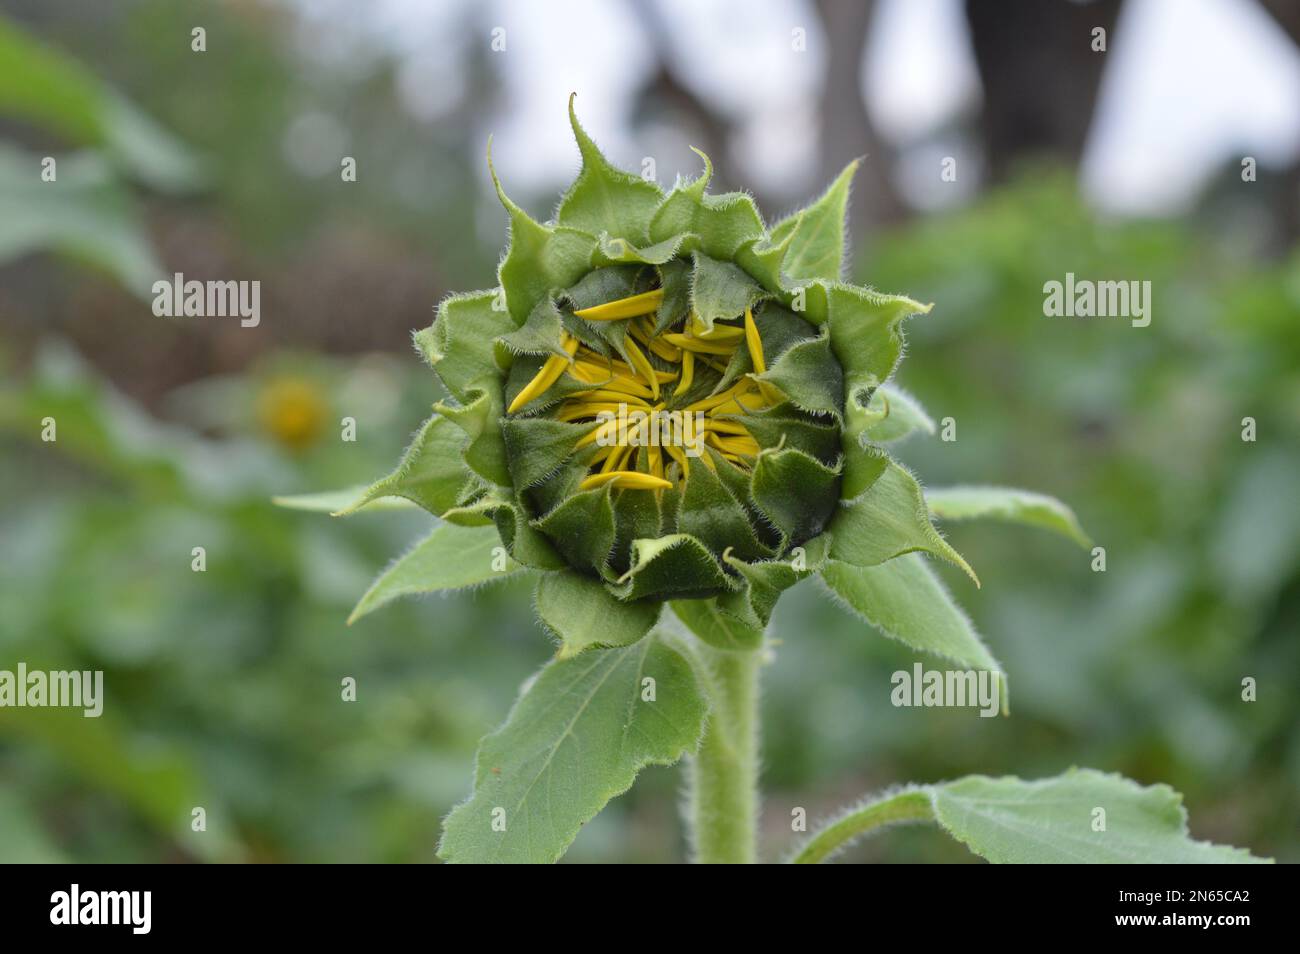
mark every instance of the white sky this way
{"type": "Point", "coordinates": [1191, 84]}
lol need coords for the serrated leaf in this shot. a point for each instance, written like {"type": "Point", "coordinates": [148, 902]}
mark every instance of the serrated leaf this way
{"type": "Point", "coordinates": [1051, 821]}
{"type": "Point", "coordinates": [1009, 504]}
{"type": "Point", "coordinates": [817, 233]}
{"type": "Point", "coordinates": [906, 601]}
{"type": "Point", "coordinates": [575, 739]}
{"type": "Point", "coordinates": [887, 520]}
{"type": "Point", "coordinates": [583, 615]}
{"type": "Point", "coordinates": [450, 558]}
{"type": "Point", "coordinates": [605, 198]}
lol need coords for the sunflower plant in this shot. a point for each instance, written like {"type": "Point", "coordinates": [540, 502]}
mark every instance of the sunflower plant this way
{"type": "Point", "coordinates": [667, 413]}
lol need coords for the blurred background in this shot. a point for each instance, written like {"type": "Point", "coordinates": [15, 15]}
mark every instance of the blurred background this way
{"type": "Point", "coordinates": [223, 686]}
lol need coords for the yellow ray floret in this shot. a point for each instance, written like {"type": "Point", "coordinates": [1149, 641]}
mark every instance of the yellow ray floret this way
{"type": "Point", "coordinates": [643, 366]}
{"type": "Point", "coordinates": [631, 479]}
{"type": "Point", "coordinates": [688, 373]}
{"type": "Point", "coordinates": [551, 370]}
{"type": "Point", "coordinates": [754, 342]}
{"type": "Point", "coordinates": [644, 304]}
{"type": "Point", "coordinates": [687, 343]}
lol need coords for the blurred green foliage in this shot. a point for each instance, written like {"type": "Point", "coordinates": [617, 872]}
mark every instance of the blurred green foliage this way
{"type": "Point", "coordinates": [224, 687]}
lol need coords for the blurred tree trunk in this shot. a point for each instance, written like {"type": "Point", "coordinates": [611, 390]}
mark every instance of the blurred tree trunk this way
{"type": "Point", "coordinates": [846, 131]}
{"type": "Point", "coordinates": [1286, 14]}
{"type": "Point", "coordinates": [1040, 76]}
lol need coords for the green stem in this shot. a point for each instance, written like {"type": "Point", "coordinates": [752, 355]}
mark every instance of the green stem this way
{"type": "Point", "coordinates": [723, 776]}
{"type": "Point", "coordinates": [908, 805]}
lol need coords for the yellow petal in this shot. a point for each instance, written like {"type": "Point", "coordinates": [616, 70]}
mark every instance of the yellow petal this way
{"type": "Point", "coordinates": [688, 373]}
{"type": "Point", "coordinates": [687, 343]}
{"type": "Point", "coordinates": [643, 366]}
{"type": "Point", "coordinates": [630, 479]}
{"type": "Point", "coordinates": [644, 304]}
{"type": "Point", "coordinates": [755, 343]}
{"type": "Point", "coordinates": [551, 370]}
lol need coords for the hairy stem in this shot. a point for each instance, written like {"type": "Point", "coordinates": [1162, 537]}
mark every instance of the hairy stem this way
{"type": "Point", "coordinates": [906, 806]}
{"type": "Point", "coordinates": [722, 777]}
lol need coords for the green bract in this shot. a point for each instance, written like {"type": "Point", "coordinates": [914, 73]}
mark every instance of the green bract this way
{"type": "Point", "coordinates": [759, 458]}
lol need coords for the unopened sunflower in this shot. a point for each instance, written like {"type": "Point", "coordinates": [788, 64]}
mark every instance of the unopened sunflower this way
{"type": "Point", "coordinates": [664, 400]}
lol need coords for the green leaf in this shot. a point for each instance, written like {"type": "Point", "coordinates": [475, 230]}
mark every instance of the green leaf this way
{"type": "Point", "coordinates": [575, 739]}
{"type": "Point", "coordinates": [541, 258]}
{"type": "Point", "coordinates": [897, 413]}
{"type": "Point", "coordinates": [450, 558]}
{"type": "Point", "coordinates": [583, 615]}
{"type": "Point", "coordinates": [906, 601]}
{"type": "Point", "coordinates": [50, 89]}
{"type": "Point", "coordinates": [1050, 821]}
{"type": "Point", "coordinates": [717, 627]}
{"type": "Point", "coordinates": [332, 501]}
{"type": "Point", "coordinates": [604, 198]}
{"type": "Point", "coordinates": [817, 233]}
{"type": "Point", "coordinates": [887, 520]}
{"type": "Point", "coordinates": [430, 474]}
{"type": "Point", "coordinates": [766, 580]}
{"type": "Point", "coordinates": [1004, 503]}
{"type": "Point", "coordinates": [721, 290]}
{"type": "Point", "coordinates": [723, 223]}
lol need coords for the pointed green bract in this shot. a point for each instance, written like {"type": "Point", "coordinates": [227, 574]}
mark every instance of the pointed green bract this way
{"type": "Point", "coordinates": [449, 558]}
{"type": "Point", "coordinates": [722, 223]}
{"type": "Point", "coordinates": [1008, 504]}
{"type": "Point", "coordinates": [576, 738]}
{"type": "Point", "coordinates": [604, 198]}
{"type": "Point", "coordinates": [906, 601]}
{"type": "Point", "coordinates": [583, 615]}
{"type": "Point", "coordinates": [541, 258]}
{"type": "Point", "coordinates": [721, 290]}
{"type": "Point", "coordinates": [817, 233]}
{"type": "Point", "coordinates": [887, 520]}
{"type": "Point", "coordinates": [677, 565]}
{"type": "Point", "coordinates": [430, 474]}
